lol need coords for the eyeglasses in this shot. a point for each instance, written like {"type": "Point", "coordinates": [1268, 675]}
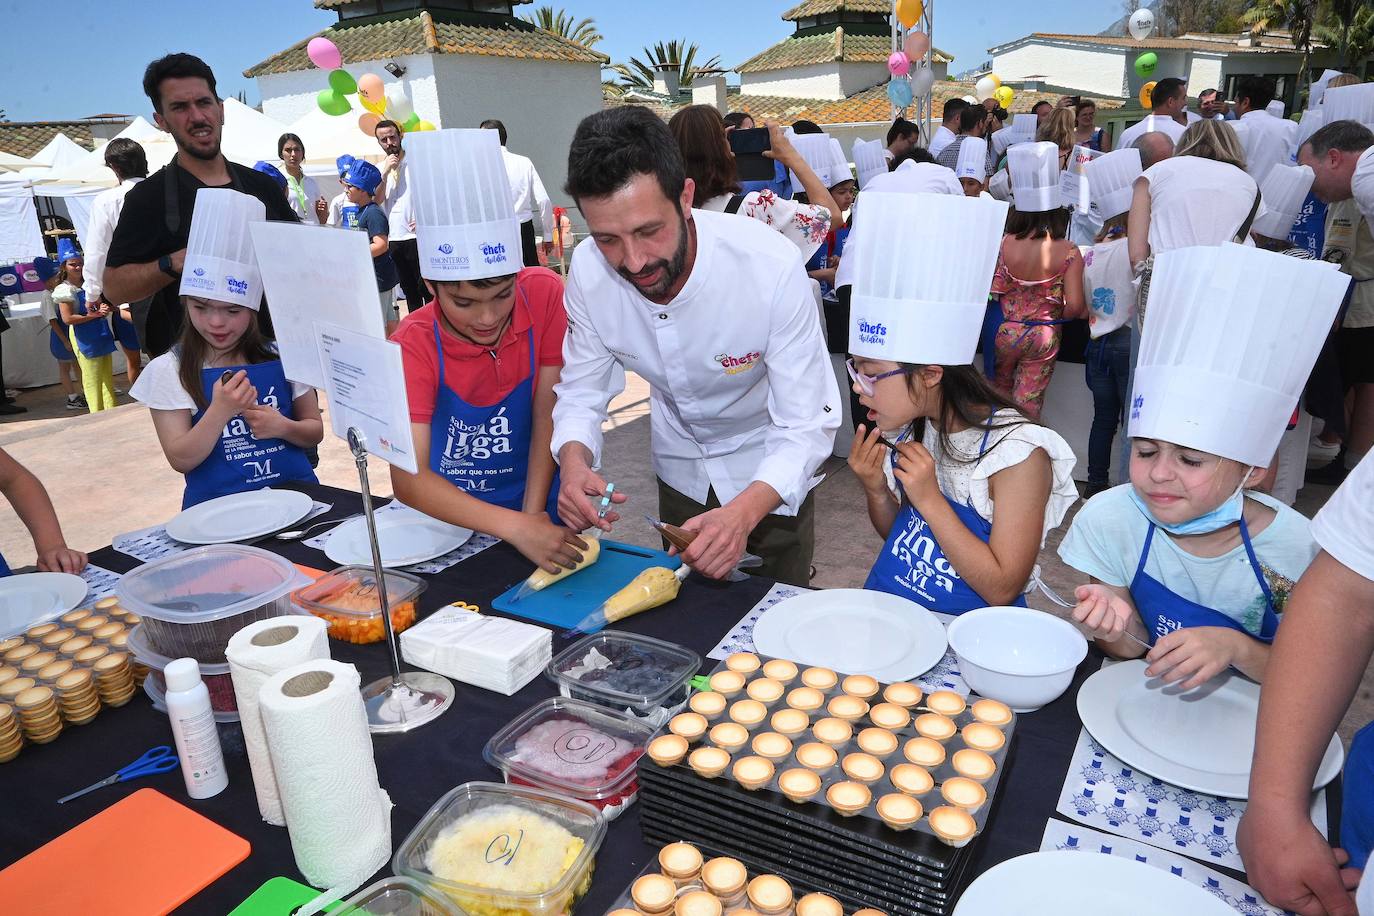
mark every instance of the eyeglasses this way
{"type": "Point", "coordinates": [866, 382]}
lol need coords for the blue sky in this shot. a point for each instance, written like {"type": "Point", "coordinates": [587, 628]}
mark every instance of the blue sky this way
{"type": "Point", "coordinates": [81, 57]}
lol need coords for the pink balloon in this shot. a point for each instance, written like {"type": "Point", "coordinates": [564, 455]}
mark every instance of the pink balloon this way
{"type": "Point", "coordinates": [371, 87]}
{"type": "Point", "coordinates": [917, 44]}
{"type": "Point", "coordinates": [898, 63]}
{"type": "Point", "coordinates": [324, 53]}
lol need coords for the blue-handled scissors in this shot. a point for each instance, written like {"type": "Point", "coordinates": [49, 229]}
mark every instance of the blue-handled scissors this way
{"type": "Point", "coordinates": [160, 759]}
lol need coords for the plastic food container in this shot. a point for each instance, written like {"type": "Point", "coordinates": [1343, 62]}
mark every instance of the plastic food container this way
{"type": "Point", "coordinates": [216, 677]}
{"type": "Point", "coordinates": [191, 603]}
{"type": "Point", "coordinates": [158, 695]}
{"type": "Point", "coordinates": [576, 749]}
{"type": "Point", "coordinates": [645, 676]}
{"type": "Point", "coordinates": [347, 598]}
{"type": "Point", "coordinates": [397, 897]}
{"type": "Point", "coordinates": [507, 834]}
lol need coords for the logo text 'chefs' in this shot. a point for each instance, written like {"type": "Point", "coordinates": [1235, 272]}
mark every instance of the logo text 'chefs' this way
{"type": "Point", "coordinates": [872, 332]}
{"type": "Point", "coordinates": [733, 365]}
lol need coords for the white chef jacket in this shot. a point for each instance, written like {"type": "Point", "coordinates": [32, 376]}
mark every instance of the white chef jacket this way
{"type": "Point", "coordinates": [527, 192]}
{"type": "Point", "coordinates": [1267, 141]}
{"type": "Point", "coordinates": [397, 206]}
{"type": "Point", "coordinates": [105, 210]}
{"type": "Point", "coordinates": [1150, 124]}
{"type": "Point", "coordinates": [943, 137]}
{"type": "Point", "coordinates": [741, 383]}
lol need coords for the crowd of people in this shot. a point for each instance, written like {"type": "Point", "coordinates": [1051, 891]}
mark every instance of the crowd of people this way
{"type": "Point", "coordinates": [729, 298]}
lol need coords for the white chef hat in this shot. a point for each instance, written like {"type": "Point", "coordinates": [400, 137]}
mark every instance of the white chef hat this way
{"type": "Point", "coordinates": [1349, 103]}
{"type": "Point", "coordinates": [839, 165]}
{"type": "Point", "coordinates": [815, 149]}
{"type": "Point", "coordinates": [1000, 186]}
{"type": "Point", "coordinates": [973, 159]}
{"type": "Point", "coordinates": [1282, 193]}
{"type": "Point", "coordinates": [1275, 108]}
{"type": "Point", "coordinates": [1312, 121]}
{"type": "Point", "coordinates": [465, 227]}
{"type": "Point", "coordinates": [1111, 181]}
{"type": "Point", "coordinates": [220, 263]}
{"type": "Point", "coordinates": [926, 304]}
{"type": "Point", "coordinates": [869, 160]}
{"type": "Point", "coordinates": [1034, 169]}
{"type": "Point", "coordinates": [1230, 340]}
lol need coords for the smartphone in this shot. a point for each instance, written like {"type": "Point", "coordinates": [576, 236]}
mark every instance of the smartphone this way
{"type": "Point", "coordinates": [748, 147]}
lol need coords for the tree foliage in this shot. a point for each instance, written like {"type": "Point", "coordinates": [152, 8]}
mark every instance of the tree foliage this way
{"type": "Point", "coordinates": [639, 73]}
{"type": "Point", "coordinates": [561, 23]}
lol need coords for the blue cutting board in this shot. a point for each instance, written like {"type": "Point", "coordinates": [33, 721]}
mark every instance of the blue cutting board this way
{"type": "Point", "coordinates": [566, 602]}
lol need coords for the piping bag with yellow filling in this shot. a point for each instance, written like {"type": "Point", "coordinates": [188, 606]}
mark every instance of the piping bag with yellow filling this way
{"type": "Point", "coordinates": [653, 587]}
{"type": "Point", "coordinates": [540, 579]}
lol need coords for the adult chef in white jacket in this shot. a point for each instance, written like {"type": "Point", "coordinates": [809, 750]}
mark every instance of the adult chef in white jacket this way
{"type": "Point", "coordinates": [129, 163]}
{"type": "Point", "coordinates": [716, 313]}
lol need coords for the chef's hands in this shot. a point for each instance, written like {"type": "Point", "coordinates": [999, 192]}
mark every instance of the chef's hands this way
{"type": "Point", "coordinates": [1103, 612]}
{"type": "Point", "coordinates": [915, 471]}
{"type": "Point", "coordinates": [389, 164]}
{"type": "Point", "coordinates": [721, 537]}
{"type": "Point", "coordinates": [60, 558]}
{"type": "Point", "coordinates": [550, 547]}
{"type": "Point", "coordinates": [866, 457]}
{"type": "Point", "coordinates": [1196, 654]}
{"type": "Point", "coordinates": [1301, 873]}
{"type": "Point", "coordinates": [235, 396]}
{"type": "Point", "coordinates": [580, 490]}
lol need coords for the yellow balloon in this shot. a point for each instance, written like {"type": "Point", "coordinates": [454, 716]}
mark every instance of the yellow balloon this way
{"type": "Point", "coordinates": [1004, 95]}
{"type": "Point", "coordinates": [378, 107]}
{"type": "Point", "coordinates": [996, 80]}
{"type": "Point", "coordinates": [425, 125]}
{"type": "Point", "coordinates": [909, 12]}
{"type": "Point", "coordinates": [1145, 93]}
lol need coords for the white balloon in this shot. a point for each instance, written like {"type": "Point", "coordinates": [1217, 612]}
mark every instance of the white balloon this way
{"type": "Point", "coordinates": [985, 87]}
{"type": "Point", "coordinates": [922, 80]}
{"type": "Point", "coordinates": [970, 99]}
{"type": "Point", "coordinates": [398, 105]}
{"type": "Point", "coordinates": [1141, 24]}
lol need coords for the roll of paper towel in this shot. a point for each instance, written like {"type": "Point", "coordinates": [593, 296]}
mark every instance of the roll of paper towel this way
{"type": "Point", "coordinates": [337, 815]}
{"type": "Point", "coordinates": [255, 653]}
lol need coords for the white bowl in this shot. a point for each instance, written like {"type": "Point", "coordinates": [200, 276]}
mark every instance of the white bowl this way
{"type": "Point", "coordinates": [1023, 657]}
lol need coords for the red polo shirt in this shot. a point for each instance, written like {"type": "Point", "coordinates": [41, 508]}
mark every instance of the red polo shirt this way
{"type": "Point", "coordinates": [471, 371]}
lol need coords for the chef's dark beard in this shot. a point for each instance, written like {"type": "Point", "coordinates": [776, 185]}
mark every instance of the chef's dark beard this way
{"type": "Point", "coordinates": [672, 269]}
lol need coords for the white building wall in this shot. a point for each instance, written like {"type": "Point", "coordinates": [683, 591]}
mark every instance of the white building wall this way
{"type": "Point", "coordinates": [1205, 73]}
{"type": "Point", "coordinates": [1177, 64]}
{"type": "Point", "coordinates": [288, 96]}
{"type": "Point", "coordinates": [856, 77]}
{"type": "Point", "coordinates": [816, 81]}
{"type": "Point", "coordinates": [1096, 71]}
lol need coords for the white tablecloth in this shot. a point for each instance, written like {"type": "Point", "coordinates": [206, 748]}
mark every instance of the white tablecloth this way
{"type": "Point", "coordinates": [27, 361]}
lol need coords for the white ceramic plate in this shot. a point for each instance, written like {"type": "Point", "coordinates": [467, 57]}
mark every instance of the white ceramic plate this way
{"type": "Point", "coordinates": [239, 516]}
{"type": "Point", "coordinates": [1066, 883]}
{"type": "Point", "coordinates": [855, 631]}
{"type": "Point", "coordinates": [32, 598]}
{"type": "Point", "coordinates": [1199, 739]}
{"type": "Point", "coordinates": [404, 535]}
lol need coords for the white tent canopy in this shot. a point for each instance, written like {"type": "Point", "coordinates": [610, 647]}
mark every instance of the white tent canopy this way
{"type": "Point", "coordinates": [12, 163]}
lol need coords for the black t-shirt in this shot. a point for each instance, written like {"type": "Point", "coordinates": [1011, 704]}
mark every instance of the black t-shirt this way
{"type": "Point", "coordinates": [144, 234]}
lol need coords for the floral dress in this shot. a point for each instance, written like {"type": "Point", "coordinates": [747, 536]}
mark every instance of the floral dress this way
{"type": "Point", "coordinates": [804, 225]}
{"type": "Point", "coordinates": [1027, 342]}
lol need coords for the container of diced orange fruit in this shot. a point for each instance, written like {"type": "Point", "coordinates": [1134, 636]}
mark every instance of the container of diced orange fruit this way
{"type": "Point", "coordinates": [348, 600]}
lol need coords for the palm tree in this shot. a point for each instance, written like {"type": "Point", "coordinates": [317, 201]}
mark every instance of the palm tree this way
{"type": "Point", "coordinates": [637, 74]}
{"type": "Point", "coordinates": [1298, 16]}
{"type": "Point", "coordinates": [1347, 26]}
{"type": "Point", "coordinates": [559, 22]}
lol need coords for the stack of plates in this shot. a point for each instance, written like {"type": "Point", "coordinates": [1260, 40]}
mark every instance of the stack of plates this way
{"type": "Point", "coordinates": [240, 516]}
{"type": "Point", "coordinates": [404, 535]}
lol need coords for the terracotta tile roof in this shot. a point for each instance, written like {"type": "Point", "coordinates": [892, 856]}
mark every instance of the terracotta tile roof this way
{"type": "Point", "coordinates": [422, 34]}
{"type": "Point", "coordinates": [820, 49]}
{"type": "Point", "coordinates": [1272, 43]}
{"type": "Point", "coordinates": [817, 7]}
{"type": "Point", "coordinates": [24, 138]}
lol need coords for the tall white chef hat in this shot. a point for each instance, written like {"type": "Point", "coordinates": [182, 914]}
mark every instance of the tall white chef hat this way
{"type": "Point", "coordinates": [220, 263]}
{"type": "Point", "coordinates": [1034, 169]}
{"type": "Point", "coordinates": [815, 149]}
{"type": "Point", "coordinates": [1312, 121]}
{"type": "Point", "coordinates": [1230, 340]}
{"type": "Point", "coordinates": [465, 227]}
{"type": "Point", "coordinates": [1111, 181]}
{"type": "Point", "coordinates": [973, 159]}
{"type": "Point", "coordinates": [839, 165]}
{"type": "Point", "coordinates": [869, 160]}
{"type": "Point", "coordinates": [927, 305]}
{"type": "Point", "coordinates": [1349, 103]}
{"type": "Point", "coordinates": [1282, 193]}
{"type": "Point", "coordinates": [1275, 108]}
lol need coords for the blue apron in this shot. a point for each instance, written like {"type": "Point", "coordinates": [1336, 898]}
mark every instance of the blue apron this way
{"type": "Point", "coordinates": [913, 565]}
{"type": "Point", "coordinates": [485, 451]}
{"type": "Point", "coordinates": [4, 567]}
{"type": "Point", "coordinates": [60, 351]}
{"type": "Point", "coordinates": [241, 462]}
{"type": "Point", "coordinates": [1357, 798]}
{"type": "Point", "coordinates": [124, 331]}
{"type": "Point", "coordinates": [92, 339]}
{"type": "Point", "coordinates": [1163, 611]}
{"type": "Point", "coordinates": [993, 319]}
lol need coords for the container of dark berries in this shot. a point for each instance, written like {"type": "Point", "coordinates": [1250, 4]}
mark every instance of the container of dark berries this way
{"type": "Point", "coordinates": [572, 748]}
{"type": "Point", "coordinates": [645, 677]}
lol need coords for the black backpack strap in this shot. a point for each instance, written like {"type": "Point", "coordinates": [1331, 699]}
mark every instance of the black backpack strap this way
{"type": "Point", "coordinates": [735, 202]}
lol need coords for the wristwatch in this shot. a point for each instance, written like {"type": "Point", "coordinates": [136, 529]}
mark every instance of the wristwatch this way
{"type": "Point", "coordinates": [164, 264]}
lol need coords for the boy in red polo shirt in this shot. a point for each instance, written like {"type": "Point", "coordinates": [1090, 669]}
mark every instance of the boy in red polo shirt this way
{"type": "Point", "coordinates": [482, 358]}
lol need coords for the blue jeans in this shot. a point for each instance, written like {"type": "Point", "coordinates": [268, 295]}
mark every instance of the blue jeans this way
{"type": "Point", "coordinates": [1107, 368]}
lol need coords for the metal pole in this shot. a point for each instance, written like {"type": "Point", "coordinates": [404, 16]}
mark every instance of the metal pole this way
{"type": "Point", "coordinates": [358, 447]}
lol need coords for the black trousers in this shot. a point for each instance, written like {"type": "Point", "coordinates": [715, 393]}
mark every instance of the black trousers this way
{"type": "Point", "coordinates": [527, 248]}
{"type": "Point", "coordinates": [407, 258]}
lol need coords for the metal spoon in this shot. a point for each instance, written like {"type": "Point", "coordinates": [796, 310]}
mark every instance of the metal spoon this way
{"type": "Point", "coordinates": [300, 533]}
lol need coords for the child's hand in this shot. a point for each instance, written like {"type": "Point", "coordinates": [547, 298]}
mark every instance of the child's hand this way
{"type": "Point", "coordinates": [1104, 613]}
{"type": "Point", "coordinates": [1195, 653]}
{"type": "Point", "coordinates": [866, 457]}
{"type": "Point", "coordinates": [265, 422]}
{"type": "Point", "coordinates": [551, 547]}
{"type": "Point", "coordinates": [915, 471]}
{"type": "Point", "coordinates": [236, 395]}
{"type": "Point", "coordinates": [61, 559]}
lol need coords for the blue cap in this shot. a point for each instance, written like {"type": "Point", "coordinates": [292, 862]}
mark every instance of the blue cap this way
{"type": "Point", "coordinates": [66, 250]}
{"type": "Point", "coordinates": [342, 164]}
{"type": "Point", "coordinates": [272, 172]}
{"type": "Point", "coordinates": [362, 174]}
{"type": "Point", "coordinates": [46, 268]}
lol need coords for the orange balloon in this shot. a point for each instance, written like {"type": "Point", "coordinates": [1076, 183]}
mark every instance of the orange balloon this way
{"type": "Point", "coordinates": [367, 123]}
{"type": "Point", "coordinates": [371, 88]}
{"type": "Point", "coordinates": [1145, 93]}
{"type": "Point", "coordinates": [909, 12]}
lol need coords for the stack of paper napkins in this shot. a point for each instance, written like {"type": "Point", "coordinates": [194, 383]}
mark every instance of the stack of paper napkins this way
{"type": "Point", "coordinates": [494, 653]}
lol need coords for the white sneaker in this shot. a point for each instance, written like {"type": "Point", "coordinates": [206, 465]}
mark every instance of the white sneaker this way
{"type": "Point", "coordinates": [74, 403]}
{"type": "Point", "coordinates": [1319, 452]}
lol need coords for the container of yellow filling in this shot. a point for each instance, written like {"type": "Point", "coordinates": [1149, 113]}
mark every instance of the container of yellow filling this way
{"type": "Point", "coordinates": [499, 850]}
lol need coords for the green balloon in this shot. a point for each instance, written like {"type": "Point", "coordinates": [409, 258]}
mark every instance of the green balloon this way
{"type": "Point", "coordinates": [411, 123]}
{"type": "Point", "coordinates": [1145, 64]}
{"type": "Point", "coordinates": [332, 103]}
{"type": "Point", "coordinates": [341, 81]}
